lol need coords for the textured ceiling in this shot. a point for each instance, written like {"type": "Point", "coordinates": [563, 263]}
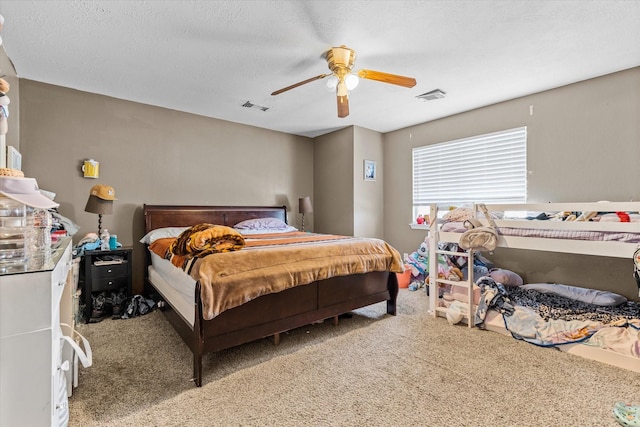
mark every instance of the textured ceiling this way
{"type": "Point", "coordinates": [210, 57]}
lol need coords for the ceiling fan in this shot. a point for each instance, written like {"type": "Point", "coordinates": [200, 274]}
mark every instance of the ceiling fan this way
{"type": "Point", "coordinates": [340, 61]}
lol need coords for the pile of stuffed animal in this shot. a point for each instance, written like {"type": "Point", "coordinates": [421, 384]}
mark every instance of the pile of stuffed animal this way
{"type": "Point", "coordinates": [418, 263]}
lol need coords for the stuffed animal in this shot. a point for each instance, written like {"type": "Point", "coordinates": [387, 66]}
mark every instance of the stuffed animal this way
{"type": "Point", "coordinates": [418, 262]}
{"type": "Point", "coordinates": [454, 274]}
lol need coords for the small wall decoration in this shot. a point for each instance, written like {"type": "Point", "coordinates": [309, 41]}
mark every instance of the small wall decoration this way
{"type": "Point", "coordinates": [91, 169]}
{"type": "Point", "coordinates": [369, 170]}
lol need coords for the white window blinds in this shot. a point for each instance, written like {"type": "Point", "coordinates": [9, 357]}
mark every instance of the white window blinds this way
{"type": "Point", "coordinates": [489, 168]}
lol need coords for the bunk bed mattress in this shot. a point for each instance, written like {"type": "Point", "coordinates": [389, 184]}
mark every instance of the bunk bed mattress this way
{"type": "Point", "coordinates": [590, 235]}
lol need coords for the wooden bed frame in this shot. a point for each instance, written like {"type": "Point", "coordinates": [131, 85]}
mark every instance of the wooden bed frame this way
{"type": "Point", "coordinates": [271, 314]}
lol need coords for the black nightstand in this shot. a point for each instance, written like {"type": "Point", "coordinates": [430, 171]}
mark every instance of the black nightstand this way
{"type": "Point", "coordinates": [106, 271]}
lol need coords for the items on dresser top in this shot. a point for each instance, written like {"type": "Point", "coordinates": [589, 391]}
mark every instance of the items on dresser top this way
{"type": "Point", "coordinates": [25, 237]}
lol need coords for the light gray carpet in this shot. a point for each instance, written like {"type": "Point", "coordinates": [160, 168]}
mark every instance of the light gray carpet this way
{"type": "Point", "coordinates": [371, 370]}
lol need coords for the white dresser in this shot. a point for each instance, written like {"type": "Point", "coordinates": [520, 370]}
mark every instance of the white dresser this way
{"type": "Point", "coordinates": [33, 374]}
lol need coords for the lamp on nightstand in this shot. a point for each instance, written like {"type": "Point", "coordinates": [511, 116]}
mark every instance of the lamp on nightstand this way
{"type": "Point", "coordinates": [100, 202]}
{"type": "Point", "coordinates": [304, 207]}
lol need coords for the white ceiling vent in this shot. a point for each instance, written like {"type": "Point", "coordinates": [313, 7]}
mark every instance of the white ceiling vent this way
{"type": "Point", "coordinates": [430, 96]}
{"type": "Point", "coordinates": [248, 104]}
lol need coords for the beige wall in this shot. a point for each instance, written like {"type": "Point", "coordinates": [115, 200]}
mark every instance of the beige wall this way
{"type": "Point", "coordinates": [155, 156]}
{"type": "Point", "coordinates": [344, 202]}
{"type": "Point", "coordinates": [368, 196]}
{"type": "Point", "coordinates": [333, 182]}
{"type": "Point", "coordinates": [583, 145]}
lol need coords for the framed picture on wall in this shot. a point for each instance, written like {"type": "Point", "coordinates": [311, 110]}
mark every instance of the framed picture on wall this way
{"type": "Point", "coordinates": [369, 170]}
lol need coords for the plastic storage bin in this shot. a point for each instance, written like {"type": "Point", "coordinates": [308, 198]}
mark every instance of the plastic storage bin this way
{"type": "Point", "coordinates": [15, 225]}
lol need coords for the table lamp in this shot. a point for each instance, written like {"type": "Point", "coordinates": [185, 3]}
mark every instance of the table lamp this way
{"type": "Point", "coordinates": [100, 202]}
{"type": "Point", "coordinates": [304, 207]}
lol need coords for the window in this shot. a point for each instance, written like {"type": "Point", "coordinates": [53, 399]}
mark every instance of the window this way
{"type": "Point", "coordinates": [489, 168]}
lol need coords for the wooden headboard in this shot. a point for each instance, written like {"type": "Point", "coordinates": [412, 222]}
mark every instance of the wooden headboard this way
{"type": "Point", "coordinates": [158, 216]}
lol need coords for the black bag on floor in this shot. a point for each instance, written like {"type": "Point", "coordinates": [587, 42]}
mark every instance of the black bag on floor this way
{"type": "Point", "coordinates": [138, 306]}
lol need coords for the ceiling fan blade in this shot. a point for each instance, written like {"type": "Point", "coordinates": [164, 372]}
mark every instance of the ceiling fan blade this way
{"type": "Point", "coordinates": [304, 82]}
{"type": "Point", "coordinates": [342, 95]}
{"type": "Point", "coordinates": [393, 79]}
{"type": "Point", "coordinates": [343, 106]}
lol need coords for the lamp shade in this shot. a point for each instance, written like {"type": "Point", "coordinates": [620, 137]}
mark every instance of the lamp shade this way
{"type": "Point", "coordinates": [99, 206]}
{"type": "Point", "coordinates": [304, 205]}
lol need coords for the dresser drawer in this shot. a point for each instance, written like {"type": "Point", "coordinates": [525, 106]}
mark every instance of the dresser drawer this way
{"type": "Point", "coordinates": [110, 284]}
{"type": "Point", "coordinates": [109, 271]}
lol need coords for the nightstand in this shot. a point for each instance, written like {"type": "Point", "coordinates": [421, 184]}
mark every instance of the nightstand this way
{"type": "Point", "coordinates": [106, 271]}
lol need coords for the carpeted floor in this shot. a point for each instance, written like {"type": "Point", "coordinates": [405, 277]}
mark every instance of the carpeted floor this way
{"type": "Point", "coordinates": [371, 370]}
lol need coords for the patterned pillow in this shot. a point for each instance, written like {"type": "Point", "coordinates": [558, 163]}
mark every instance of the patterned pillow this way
{"type": "Point", "coordinates": [263, 226]}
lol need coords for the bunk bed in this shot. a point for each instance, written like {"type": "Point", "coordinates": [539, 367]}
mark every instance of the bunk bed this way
{"type": "Point", "coordinates": [602, 229]}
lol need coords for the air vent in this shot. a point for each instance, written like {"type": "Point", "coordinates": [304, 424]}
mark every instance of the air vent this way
{"type": "Point", "coordinates": [430, 96]}
{"type": "Point", "coordinates": [248, 104]}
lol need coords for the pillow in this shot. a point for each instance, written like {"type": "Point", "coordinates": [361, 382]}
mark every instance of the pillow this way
{"type": "Point", "coordinates": [267, 231]}
{"type": "Point", "coordinates": [462, 214]}
{"type": "Point", "coordinates": [263, 226]}
{"type": "Point", "coordinates": [506, 277]}
{"type": "Point", "coordinates": [589, 296]}
{"type": "Point", "coordinates": [458, 215]}
{"type": "Point", "coordinates": [161, 233]}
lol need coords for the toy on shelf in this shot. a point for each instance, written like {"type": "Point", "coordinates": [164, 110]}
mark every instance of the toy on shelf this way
{"type": "Point", "coordinates": [418, 262]}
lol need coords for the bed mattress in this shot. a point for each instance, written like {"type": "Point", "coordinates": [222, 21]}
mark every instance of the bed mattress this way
{"type": "Point", "coordinates": [175, 286]}
{"type": "Point", "coordinates": [274, 262]}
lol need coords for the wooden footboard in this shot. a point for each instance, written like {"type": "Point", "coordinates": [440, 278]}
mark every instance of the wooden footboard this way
{"type": "Point", "coordinates": [276, 313]}
{"type": "Point", "coordinates": [293, 308]}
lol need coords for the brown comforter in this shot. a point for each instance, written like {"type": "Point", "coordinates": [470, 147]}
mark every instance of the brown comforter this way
{"type": "Point", "coordinates": [274, 262]}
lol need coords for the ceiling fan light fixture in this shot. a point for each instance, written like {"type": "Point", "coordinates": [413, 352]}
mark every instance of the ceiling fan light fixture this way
{"type": "Point", "coordinates": [351, 81]}
{"type": "Point", "coordinates": [332, 82]}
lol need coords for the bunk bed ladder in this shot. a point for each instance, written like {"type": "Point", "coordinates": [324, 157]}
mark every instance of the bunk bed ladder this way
{"type": "Point", "coordinates": [434, 281]}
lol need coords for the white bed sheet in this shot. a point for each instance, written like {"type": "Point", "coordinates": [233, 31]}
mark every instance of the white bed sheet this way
{"type": "Point", "coordinates": [176, 286]}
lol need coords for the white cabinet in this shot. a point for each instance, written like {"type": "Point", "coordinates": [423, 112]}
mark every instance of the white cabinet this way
{"type": "Point", "coordinates": [33, 389]}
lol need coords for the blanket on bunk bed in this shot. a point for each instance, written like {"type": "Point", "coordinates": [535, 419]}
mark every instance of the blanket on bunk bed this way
{"type": "Point", "coordinates": [590, 235]}
{"type": "Point", "coordinates": [455, 221]}
{"type": "Point", "coordinates": [274, 262]}
{"type": "Point", "coordinates": [548, 319]}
